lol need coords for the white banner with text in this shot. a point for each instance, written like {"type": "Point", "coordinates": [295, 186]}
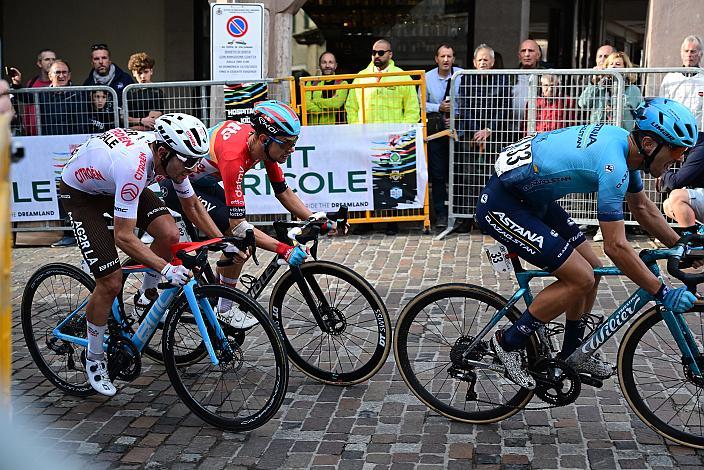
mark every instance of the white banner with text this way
{"type": "Point", "coordinates": [364, 166]}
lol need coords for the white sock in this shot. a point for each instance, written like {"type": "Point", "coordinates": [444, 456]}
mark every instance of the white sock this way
{"type": "Point", "coordinates": [95, 341]}
{"type": "Point", "coordinates": [226, 304]}
{"type": "Point", "coordinates": [151, 279]}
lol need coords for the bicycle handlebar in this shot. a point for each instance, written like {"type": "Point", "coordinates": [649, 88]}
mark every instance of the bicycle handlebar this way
{"type": "Point", "coordinates": [684, 253]}
{"type": "Point", "coordinates": [306, 231]}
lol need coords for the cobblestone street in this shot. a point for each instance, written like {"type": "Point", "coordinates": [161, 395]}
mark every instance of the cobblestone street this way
{"type": "Point", "coordinates": [375, 425]}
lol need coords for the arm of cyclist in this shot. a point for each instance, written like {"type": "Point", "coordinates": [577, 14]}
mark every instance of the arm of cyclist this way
{"type": "Point", "coordinates": [650, 218]}
{"type": "Point", "coordinates": [293, 204]}
{"type": "Point", "coordinates": [293, 255]}
{"type": "Point", "coordinates": [127, 241]}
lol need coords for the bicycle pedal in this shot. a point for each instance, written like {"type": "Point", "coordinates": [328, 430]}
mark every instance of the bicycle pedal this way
{"type": "Point", "coordinates": [591, 381]}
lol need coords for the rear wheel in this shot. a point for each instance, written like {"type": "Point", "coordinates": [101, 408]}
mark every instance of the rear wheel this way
{"type": "Point", "coordinates": [57, 294]}
{"type": "Point", "coordinates": [432, 333]}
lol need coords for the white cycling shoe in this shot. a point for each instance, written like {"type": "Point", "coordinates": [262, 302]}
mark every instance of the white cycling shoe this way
{"type": "Point", "coordinates": [97, 372]}
{"type": "Point", "coordinates": [238, 319]}
{"type": "Point", "coordinates": [513, 362]}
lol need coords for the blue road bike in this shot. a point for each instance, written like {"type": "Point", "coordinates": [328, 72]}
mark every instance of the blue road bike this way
{"type": "Point", "coordinates": [442, 350]}
{"type": "Point", "coordinates": [231, 378]}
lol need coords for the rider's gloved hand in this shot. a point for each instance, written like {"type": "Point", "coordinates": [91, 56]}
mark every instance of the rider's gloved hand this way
{"type": "Point", "coordinates": [231, 251]}
{"type": "Point", "coordinates": [678, 300]}
{"type": "Point", "coordinates": [176, 275]}
{"type": "Point", "coordinates": [294, 255]}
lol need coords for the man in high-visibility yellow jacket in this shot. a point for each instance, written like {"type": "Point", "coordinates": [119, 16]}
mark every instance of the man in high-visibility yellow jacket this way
{"type": "Point", "coordinates": [382, 104]}
{"type": "Point", "coordinates": [326, 106]}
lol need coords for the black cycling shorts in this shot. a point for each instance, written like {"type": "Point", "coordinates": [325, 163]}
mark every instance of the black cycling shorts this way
{"type": "Point", "coordinates": [212, 197]}
{"type": "Point", "coordinates": [96, 242]}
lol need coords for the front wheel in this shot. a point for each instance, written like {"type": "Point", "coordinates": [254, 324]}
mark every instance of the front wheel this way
{"type": "Point", "coordinates": [54, 300]}
{"type": "Point", "coordinates": [663, 391]}
{"type": "Point", "coordinates": [432, 333]}
{"type": "Point", "coordinates": [247, 387]}
{"type": "Point", "coordinates": [355, 340]}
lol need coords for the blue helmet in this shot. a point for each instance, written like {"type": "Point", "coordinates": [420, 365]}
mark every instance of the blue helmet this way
{"type": "Point", "coordinates": [275, 119]}
{"type": "Point", "coordinates": [667, 120]}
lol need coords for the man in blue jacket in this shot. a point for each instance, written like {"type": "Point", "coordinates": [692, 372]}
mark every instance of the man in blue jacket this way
{"type": "Point", "coordinates": [106, 73]}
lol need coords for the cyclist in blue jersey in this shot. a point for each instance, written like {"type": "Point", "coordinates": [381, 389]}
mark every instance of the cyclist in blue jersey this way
{"type": "Point", "coordinates": [518, 208]}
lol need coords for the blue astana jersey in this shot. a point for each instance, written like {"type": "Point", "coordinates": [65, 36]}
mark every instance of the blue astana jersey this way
{"type": "Point", "coordinates": [580, 159]}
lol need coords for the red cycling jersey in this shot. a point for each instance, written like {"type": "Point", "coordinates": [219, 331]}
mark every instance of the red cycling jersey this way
{"type": "Point", "coordinates": [230, 156]}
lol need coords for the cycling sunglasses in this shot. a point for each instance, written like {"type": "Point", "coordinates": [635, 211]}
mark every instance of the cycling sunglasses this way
{"type": "Point", "coordinates": [189, 163]}
{"type": "Point", "coordinates": [285, 143]}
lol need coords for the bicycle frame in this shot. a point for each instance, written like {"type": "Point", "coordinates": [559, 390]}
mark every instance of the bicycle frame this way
{"type": "Point", "coordinates": [627, 310]}
{"type": "Point", "coordinates": [146, 329]}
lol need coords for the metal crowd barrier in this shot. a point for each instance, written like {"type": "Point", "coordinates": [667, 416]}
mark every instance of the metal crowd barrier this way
{"type": "Point", "coordinates": [325, 100]}
{"type": "Point", "coordinates": [64, 110]}
{"type": "Point", "coordinates": [514, 103]}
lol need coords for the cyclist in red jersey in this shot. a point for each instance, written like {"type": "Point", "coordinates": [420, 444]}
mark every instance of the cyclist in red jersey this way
{"type": "Point", "coordinates": [234, 149]}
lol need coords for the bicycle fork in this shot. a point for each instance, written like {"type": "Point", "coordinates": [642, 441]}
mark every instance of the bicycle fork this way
{"type": "Point", "coordinates": [204, 306]}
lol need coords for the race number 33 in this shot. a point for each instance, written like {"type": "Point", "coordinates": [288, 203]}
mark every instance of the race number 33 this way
{"type": "Point", "coordinates": [515, 155]}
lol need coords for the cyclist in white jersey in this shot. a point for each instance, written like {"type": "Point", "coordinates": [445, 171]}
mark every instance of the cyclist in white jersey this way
{"type": "Point", "coordinates": [111, 173]}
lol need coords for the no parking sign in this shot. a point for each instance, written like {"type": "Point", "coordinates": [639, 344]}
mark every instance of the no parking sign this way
{"type": "Point", "coordinates": [236, 39]}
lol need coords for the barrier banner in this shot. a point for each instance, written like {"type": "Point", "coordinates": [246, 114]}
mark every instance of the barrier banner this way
{"type": "Point", "coordinates": [33, 188]}
{"type": "Point", "coordinates": [364, 166]}
{"type": "Point", "coordinates": [240, 99]}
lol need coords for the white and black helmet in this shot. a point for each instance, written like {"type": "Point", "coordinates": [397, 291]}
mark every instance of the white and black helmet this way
{"type": "Point", "coordinates": [185, 135]}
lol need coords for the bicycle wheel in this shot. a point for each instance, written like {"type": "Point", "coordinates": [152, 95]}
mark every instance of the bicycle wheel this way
{"type": "Point", "coordinates": [358, 339]}
{"type": "Point", "coordinates": [247, 387]}
{"type": "Point", "coordinates": [433, 331]}
{"type": "Point", "coordinates": [51, 294]}
{"type": "Point", "coordinates": [657, 385]}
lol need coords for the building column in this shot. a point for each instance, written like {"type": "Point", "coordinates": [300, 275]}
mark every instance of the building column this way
{"type": "Point", "coordinates": [503, 36]}
{"type": "Point", "coordinates": [669, 22]}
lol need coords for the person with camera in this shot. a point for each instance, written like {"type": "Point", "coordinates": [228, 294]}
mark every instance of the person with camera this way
{"type": "Point", "coordinates": [437, 105]}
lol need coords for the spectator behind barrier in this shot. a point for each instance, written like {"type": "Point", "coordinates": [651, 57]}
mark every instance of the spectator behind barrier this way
{"type": "Point", "coordinates": [437, 105]}
{"type": "Point", "coordinates": [101, 117]}
{"type": "Point", "coordinates": [601, 54]}
{"type": "Point", "coordinates": [63, 112]}
{"type": "Point", "coordinates": [382, 104]}
{"type": "Point", "coordinates": [600, 101]}
{"type": "Point", "coordinates": [397, 104]}
{"type": "Point", "coordinates": [326, 106]}
{"type": "Point", "coordinates": [105, 72]}
{"type": "Point", "coordinates": [25, 122]}
{"type": "Point", "coordinates": [685, 203]}
{"type": "Point", "coordinates": [145, 104]}
{"type": "Point", "coordinates": [553, 110]}
{"type": "Point", "coordinates": [529, 57]}
{"type": "Point", "coordinates": [484, 102]}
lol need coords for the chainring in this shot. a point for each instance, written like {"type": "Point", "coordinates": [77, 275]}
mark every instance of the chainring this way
{"type": "Point", "coordinates": [124, 360]}
{"type": "Point", "coordinates": [557, 383]}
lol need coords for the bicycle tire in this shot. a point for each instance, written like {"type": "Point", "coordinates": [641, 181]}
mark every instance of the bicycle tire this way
{"type": "Point", "coordinates": [362, 340]}
{"type": "Point", "coordinates": [647, 352]}
{"type": "Point", "coordinates": [427, 331]}
{"type": "Point", "coordinates": [258, 372]}
{"type": "Point", "coordinates": [51, 293]}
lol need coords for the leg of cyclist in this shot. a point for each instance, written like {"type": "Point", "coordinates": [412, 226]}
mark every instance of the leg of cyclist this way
{"type": "Point", "coordinates": [97, 246]}
{"type": "Point", "coordinates": [521, 228]}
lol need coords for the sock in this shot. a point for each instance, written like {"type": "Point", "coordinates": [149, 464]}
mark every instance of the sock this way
{"type": "Point", "coordinates": [574, 335]}
{"type": "Point", "coordinates": [95, 341]}
{"type": "Point", "coordinates": [225, 305]}
{"type": "Point", "coordinates": [517, 336]}
{"type": "Point", "coordinates": [151, 280]}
